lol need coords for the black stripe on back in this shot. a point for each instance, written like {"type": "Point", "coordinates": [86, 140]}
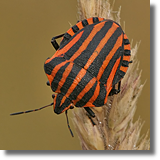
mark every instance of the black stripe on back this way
{"type": "Point", "coordinates": [108, 69]}
{"type": "Point", "coordinates": [66, 37]}
{"type": "Point", "coordinates": [120, 74]}
{"type": "Point", "coordinates": [58, 109]}
{"type": "Point", "coordinates": [126, 41]}
{"type": "Point", "coordinates": [87, 96]}
{"type": "Point", "coordinates": [127, 52]}
{"type": "Point", "coordinates": [76, 46]}
{"type": "Point", "coordinates": [48, 67]}
{"type": "Point", "coordinates": [125, 63]}
{"type": "Point", "coordinates": [58, 101]}
{"type": "Point", "coordinates": [95, 66]}
{"type": "Point", "coordinates": [87, 77]}
{"type": "Point", "coordinates": [75, 28]}
{"type": "Point", "coordinates": [82, 59]}
{"type": "Point", "coordinates": [58, 77]}
{"type": "Point", "coordinates": [84, 22]}
{"type": "Point", "coordinates": [95, 19]}
{"type": "Point", "coordinates": [69, 80]}
{"type": "Point", "coordinates": [100, 99]}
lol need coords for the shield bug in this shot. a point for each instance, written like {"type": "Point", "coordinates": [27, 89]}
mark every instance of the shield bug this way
{"type": "Point", "coordinates": [93, 56]}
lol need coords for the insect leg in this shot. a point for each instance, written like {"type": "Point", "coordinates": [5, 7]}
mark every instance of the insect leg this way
{"type": "Point", "coordinates": [90, 114]}
{"type": "Point", "coordinates": [91, 120]}
{"type": "Point", "coordinates": [89, 111]}
{"type": "Point", "coordinates": [54, 42]}
{"type": "Point", "coordinates": [119, 86]}
{"type": "Point", "coordinates": [115, 91]}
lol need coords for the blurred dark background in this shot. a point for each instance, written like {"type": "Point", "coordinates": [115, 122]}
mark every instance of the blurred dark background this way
{"type": "Point", "coordinates": [26, 29]}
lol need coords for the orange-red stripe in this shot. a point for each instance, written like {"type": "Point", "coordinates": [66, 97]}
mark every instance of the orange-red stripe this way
{"type": "Point", "coordinates": [79, 25]}
{"type": "Point", "coordinates": [96, 93]}
{"type": "Point", "coordinates": [87, 40]}
{"type": "Point", "coordinates": [59, 52]}
{"type": "Point", "coordinates": [109, 56]}
{"type": "Point", "coordinates": [70, 31]}
{"type": "Point", "coordinates": [125, 36]}
{"type": "Point", "coordinates": [67, 107]}
{"type": "Point", "coordinates": [76, 54]}
{"type": "Point", "coordinates": [89, 104]}
{"type": "Point", "coordinates": [76, 81]}
{"type": "Point", "coordinates": [124, 69]}
{"type": "Point", "coordinates": [126, 58]}
{"type": "Point", "coordinates": [90, 21]}
{"type": "Point", "coordinates": [55, 70]}
{"type": "Point", "coordinates": [110, 78]}
{"type": "Point", "coordinates": [78, 78]}
{"type": "Point", "coordinates": [100, 19]}
{"type": "Point", "coordinates": [85, 90]}
{"type": "Point", "coordinates": [54, 100]}
{"type": "Point", "coordinates": [66, 48]}
{"type": "Point", "coordinates": [101, 45]}
{"type": "Point", "coordinates": [62, 101]}
{"type": "Point", "coordinates": [127, 47]}
{"type": "Point", "coordinates": [64, 77]}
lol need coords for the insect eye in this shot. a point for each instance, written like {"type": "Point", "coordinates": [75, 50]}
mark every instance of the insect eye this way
{"type": "Point", "coordinates": [71, 107]}
{"type": "Point", "coordinates": [53, 96]}
{"type": "Point", "coordinates": [48, 84]}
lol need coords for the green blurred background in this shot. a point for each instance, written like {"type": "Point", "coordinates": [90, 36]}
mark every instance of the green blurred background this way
{"type": "Point", "coordinates": [26, 28]}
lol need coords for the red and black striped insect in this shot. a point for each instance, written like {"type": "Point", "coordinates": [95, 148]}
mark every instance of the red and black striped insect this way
{"type": "Point", "coordinates": [93, 56]}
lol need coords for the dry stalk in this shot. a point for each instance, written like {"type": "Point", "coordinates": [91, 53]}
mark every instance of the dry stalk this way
{"type": "Point", "coordinates": [114, 129]}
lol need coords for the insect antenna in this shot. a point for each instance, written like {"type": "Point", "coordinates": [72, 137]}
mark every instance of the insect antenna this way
{"type": "Point", "coordinates": [31, 110]}
{"type": "Point", "coordinates": [43, 108]}
{"type": "Point", "coordinates": [68, 124]}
